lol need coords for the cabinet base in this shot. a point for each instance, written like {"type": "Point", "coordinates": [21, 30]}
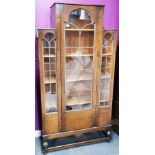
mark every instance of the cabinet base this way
{"type": "Point", "coordinates": [74, 140]}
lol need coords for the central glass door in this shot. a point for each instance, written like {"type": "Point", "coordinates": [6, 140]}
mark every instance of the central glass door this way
{"type": "Point", "coordinates": [79, 45]}
{"type": "Point", "coordinates": [78, 80]}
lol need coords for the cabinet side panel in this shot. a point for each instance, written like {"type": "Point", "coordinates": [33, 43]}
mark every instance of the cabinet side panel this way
{"type": "Point", "coordinates": [51, 123]}
{"type": "Point", "coordinates": [41, 78]}
{"type": "Point", "coordinates": [58, 10]}
{"type": "Point", "coordinates": [53, 16]}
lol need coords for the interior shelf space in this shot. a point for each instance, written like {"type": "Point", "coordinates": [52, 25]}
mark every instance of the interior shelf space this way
{"type": "Point", "coordinates": [78, 86]}
{"type": "Point", "coordinates": [107, 50]}
{"type": "Point", "coordinates": [78, 107]}
{"type": "Point", "coordinates": [78, 101]}
{"type": "Point", "coordinates": [77, 39]}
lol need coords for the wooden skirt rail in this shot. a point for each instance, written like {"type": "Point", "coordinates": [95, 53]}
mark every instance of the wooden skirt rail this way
{"type": "Point", "coordinates": [76, 144]}
{"type": "Point", "coordinates": [75, 132]}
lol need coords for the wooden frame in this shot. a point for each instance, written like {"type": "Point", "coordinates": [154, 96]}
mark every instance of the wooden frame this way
{"type": "Point", "coordinates": [89, 39]}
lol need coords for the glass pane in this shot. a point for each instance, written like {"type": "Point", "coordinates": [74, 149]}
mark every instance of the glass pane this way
{"type": "Point", "coordinates": [70, 52]}
{"type": "Point", "coordinates": [78, 85]}
{"type": "Point", "coordinates": [45, 43]}
{"type": "Point", "coordinates": [79, 43]}
{"type": "Point", "coordinates": [106, 62]}
{"type": "Point", "coordinates": [49, 52]}
{"type": "Point", "coordinates": [108, 43]}
{"type": "Point", "coordinates": [50, 73]}
{"type": "Point", "coordinates": [50, 98]}
{"type": "Point", "coordinates": [79, 18]}
{"type": "Point", "coordinates": [48, 37]}
{"type": "Point", "coordinates": [106, 66]}
{"type": "Point", "coordinates": [52, 43]}
{"type": "Point", "coordinates": [104, 91]}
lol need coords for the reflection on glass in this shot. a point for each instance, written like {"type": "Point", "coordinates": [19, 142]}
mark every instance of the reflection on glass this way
{"type": "Point", "coordinates": [79, 75]}
{"type": "Point", "coordinates": [107, 43]}
{"type": "Point", "coordinates": [79, 18]}
{"type": "Point", "coordinates": [79, 46]}
{"type": "Point", "coordinates": [50, 98]}
{"type": "Point", "coordinates": [50, 73]}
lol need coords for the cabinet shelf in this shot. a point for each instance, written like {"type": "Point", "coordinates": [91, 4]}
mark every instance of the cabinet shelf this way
{"type": "Point", "coordinates": [79, 78]}
{"type": "Point", "coordinates": [107, 54]}
{"type": "Point", "coordinates": [76, 101]}
{"type": "Point", "coordinates": [104, 101]}
{"type": "Point", "coordinates": [78, 55]}
{"type": "Point", "coordinates": [78, 90]}
{"type": "Point", "coordinates": [49, 55]}
{"type": "Point", "coordinates": [79, 70]}
{"type": "Point", "coordinates": [50, 80]}
{"type": "Point", "coordinates": [84, 78]}
{"type": "Point", "coordinates": [79, 30]}
{"type": "Point", "coordinates": [79, 47]}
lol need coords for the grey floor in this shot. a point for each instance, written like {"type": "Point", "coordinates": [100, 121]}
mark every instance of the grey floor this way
{"type": "Point", "coordinates": [104, 148]}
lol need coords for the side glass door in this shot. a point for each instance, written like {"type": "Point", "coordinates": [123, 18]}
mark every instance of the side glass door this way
{"type": "Point", "coordinates": [49, 61]}
{"type": "Point", "coordinates": [48, 78]}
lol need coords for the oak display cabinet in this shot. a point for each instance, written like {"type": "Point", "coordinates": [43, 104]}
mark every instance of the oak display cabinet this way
{"type": "Point", "coordinates": [77, 59]}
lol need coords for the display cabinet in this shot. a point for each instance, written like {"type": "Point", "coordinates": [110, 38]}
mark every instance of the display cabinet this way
{"type": "Point", "coordinates": [77, 61]}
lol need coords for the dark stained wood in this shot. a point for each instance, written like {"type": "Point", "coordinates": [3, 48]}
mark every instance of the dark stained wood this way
{"type": "Point", "coordinates": [74, 132]}
{"type": "Point", "coordinates": [77, 144]}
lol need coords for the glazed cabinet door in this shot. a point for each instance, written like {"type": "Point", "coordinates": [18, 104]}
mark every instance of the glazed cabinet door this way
{"type": "Point", "coordinates": [80, 43]}
{"type": "Point", "coordinates": [106, 77]}
{"type": "Point", "coordinates": [48, 80]}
